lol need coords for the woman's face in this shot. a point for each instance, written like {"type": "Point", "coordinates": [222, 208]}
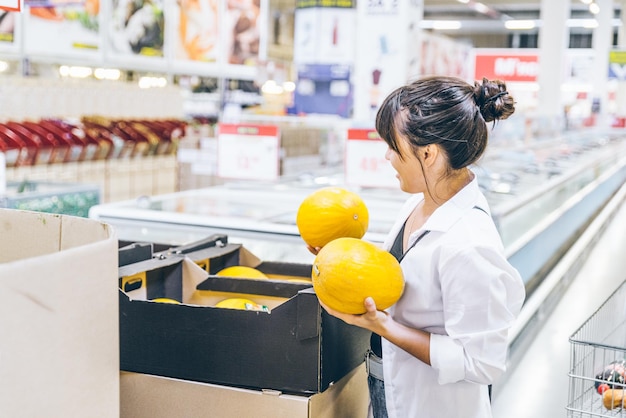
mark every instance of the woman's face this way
{"type": "Point", "coordinates": [408, 169]}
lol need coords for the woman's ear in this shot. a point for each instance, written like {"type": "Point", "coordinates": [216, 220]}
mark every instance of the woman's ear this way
{"type": "Point", "coordinates": [429, 154]}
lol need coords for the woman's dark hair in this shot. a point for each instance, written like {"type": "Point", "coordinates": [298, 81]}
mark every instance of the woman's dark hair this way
{"type": "Point", "coordinates": [446, 111]}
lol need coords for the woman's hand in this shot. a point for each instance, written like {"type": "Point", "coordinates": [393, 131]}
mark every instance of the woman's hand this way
{"type": "Point", "coordinates": [313, 250]}
{"type": "Point", "coordinates": [372, 320]}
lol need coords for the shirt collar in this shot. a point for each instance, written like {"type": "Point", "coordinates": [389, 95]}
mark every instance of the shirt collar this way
{"type": "Point", "coordinates": [451, 211]}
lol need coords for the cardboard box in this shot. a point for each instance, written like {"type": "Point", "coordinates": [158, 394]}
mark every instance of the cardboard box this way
{"type": "Point", "coordinates": [294, 347]}
{"type": "Point", "coordinates": [59, 350]}
{"type": "Point", "coordinates": [146, 396]}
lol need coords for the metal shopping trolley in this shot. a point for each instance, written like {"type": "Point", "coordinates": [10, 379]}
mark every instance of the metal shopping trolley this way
{"type": "Point", "coordinates": [597, 378]}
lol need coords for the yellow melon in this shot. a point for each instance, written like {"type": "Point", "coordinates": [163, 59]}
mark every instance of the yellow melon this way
{"type": "Point", "coordinates": [240, 303]}
{"type": "Point", "coordinates": [166, 300]}
{"type": "Point", "coordinates": [348, 270]}
{"type": "Point", "coordinates": [330, 213]}
{"type": "Point", "coordinates": [242, 271]}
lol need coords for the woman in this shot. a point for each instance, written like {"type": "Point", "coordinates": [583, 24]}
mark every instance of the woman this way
{"type": "Point", "coordinates": [445, 341]}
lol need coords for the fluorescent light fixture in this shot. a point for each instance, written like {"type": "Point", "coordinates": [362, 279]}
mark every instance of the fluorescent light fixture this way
{"type": "Point", "coordinates": [582, 23]}
{"type": "Point", "coordinates": [75, 71]}
{"type": "Point", "coordinates": [107, 73]}
{"type": "Point", "coordinates": [481, 8]}
{"type": "Point", "coordinates": [270, 87]}
{"type": "Point", "coordinates": [289, 86]}
{"type": "Point", "coordinates": [149, 82]}
{"type": "Point", "coordinates": [519, 24]}
{"type": "Point", "coordinates": [441, 24]}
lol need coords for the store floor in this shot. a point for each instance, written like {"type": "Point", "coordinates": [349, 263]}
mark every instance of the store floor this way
{"type": "Point", "coordinates": [537, 386]}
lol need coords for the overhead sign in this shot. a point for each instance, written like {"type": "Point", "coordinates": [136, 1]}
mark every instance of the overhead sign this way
{"type": "Point", "coordinates": [11, 5]}
{"type": "Point", "coordinates": [617, 65]}
{"type": "Point", "coordinates": [507, 67]}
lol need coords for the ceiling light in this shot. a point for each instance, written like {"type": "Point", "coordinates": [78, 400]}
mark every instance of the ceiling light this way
{"type": "Point", "coordinates": [594, 8]}
{"type": "Point", "coordinates": [75, 71]}
{"type": "Point", "coordinates": [464, 1]}
{"type": "Point", "coordinates": [520, 24]}
{"type": "Point", "coordinates": [440, 24]}
{"type": "Point", "coordinates": [481, 8]}
{"type": "Point", "coordinates": [582, 23]}
{"type": "Point", "coordinates": [107, 74]}
{"type": "Point", "coordinates": [587, 1]}
{"type": "Point", "coordinates": [149, 82]}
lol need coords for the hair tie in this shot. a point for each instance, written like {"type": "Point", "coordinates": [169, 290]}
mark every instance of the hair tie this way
{"type": "Point", "coordinates": [495, 96]}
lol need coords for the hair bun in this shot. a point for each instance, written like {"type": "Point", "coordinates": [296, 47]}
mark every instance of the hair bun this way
{"type": "Point", "coordinates": [493, 100]}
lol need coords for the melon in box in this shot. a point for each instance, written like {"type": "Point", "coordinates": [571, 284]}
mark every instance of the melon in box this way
{"type": "Point", "coordinates": [293, 346]}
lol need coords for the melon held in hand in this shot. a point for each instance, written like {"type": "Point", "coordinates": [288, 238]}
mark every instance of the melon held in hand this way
{"type": "Point", "coordinates": [348, 270]}
{"type": "Point", "coordinates": [330, 213]}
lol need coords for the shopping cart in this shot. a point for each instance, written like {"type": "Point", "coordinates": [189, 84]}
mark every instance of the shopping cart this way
{"type": "Point", "coordinates": [598, 362]}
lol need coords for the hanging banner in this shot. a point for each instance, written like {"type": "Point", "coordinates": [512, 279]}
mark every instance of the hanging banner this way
{"type": "Point", "coordinates": [507, 66]}
{"type": "Point", "coordinates": [324, 34]}
{"type": "Point", "coordinates": [8, 25]}
{"type": "Point", "coordinates": [243, 32]}
{"type": "Point", "coordinates": [136, 29]}
{"type": "Point", "coordinates": [441, 55]}
{"type": "Point", "coordinates": [10, 5]}
{"type": "Point", "coordinates": [196, 37]}
{"type": "Point", "coordinates": [365, 164]}
{"type": "Point", "coordinates": [63, 29]}
{"type": "Point", "coordinates": [617, 65]}
{"type": "Point", "coordinates": [250, 152]}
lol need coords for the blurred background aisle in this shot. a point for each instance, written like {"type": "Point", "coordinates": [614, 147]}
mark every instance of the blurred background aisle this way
{"type": "Point", "coordinates": [538, 385]}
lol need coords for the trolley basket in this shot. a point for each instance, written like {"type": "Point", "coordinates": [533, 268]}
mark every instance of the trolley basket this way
{"type": "Point", "coordinates": [597, 377]}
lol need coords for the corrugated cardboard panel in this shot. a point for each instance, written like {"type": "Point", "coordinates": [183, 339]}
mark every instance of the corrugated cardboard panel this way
{"type": "Point", "coordinates": [59, 328]}
{"type": "Point", "coordinates": [148, 396]}
{"type": "Point", "coordinates": [28, 234]}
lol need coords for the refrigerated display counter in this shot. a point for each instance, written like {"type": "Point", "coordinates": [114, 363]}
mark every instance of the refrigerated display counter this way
{"type": "Point", "coordinates": [260, 216]}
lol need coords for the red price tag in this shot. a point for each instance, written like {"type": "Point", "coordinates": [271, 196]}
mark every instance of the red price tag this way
{"type": "Point", "coordinates": [365, 163]}
{"type": "Point", "coordinates": [248, 151]}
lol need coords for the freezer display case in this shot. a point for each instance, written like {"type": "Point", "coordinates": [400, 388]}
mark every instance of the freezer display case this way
{"type": "Point", "coordinates": [62, 198]}
{"type": "Point", "coordinates": [260, 216]}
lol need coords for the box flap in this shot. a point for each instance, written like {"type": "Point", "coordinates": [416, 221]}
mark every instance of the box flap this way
{"type": "Point", "coordinates": [192, 277]}
{"type": "Point", "coordinates": [133, 276]}
{"type": "Point", "coordinates": [134, 253]}
{"type": "Point", "coordinates": [28, 234]}
{"type": "Point", "coordinates": [246, 258]}
{"type": "Point", "coordinates": [308, 315]}
{"type": "Point", "coordinates": [58, 318]}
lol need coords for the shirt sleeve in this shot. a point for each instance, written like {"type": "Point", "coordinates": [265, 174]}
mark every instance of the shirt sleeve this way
{"type": "Point", "coordinates": [482, 296]}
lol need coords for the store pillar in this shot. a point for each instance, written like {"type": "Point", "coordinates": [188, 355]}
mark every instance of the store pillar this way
{"type": "Point", "coordinates": [552, 46]}
{"type": "Point", "coordinates": [620, 98]}
{"type": "Point", "coordinates": [602, 44]}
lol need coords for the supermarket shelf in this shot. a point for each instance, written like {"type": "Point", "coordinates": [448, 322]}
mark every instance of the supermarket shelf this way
{"type": "Point", "coordinates": [536, 384]}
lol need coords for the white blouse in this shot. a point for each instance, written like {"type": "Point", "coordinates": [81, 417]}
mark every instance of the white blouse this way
{"type": "Point", "coordinates": [460, 288]}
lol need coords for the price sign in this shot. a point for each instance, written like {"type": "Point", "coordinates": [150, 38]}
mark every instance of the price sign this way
{"type": "Point", "coordinates": [10, 5]}
{"type": "Point", "coordinates": [365, 163]}
{"type": "Point", "coordinates": [248, 151]}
